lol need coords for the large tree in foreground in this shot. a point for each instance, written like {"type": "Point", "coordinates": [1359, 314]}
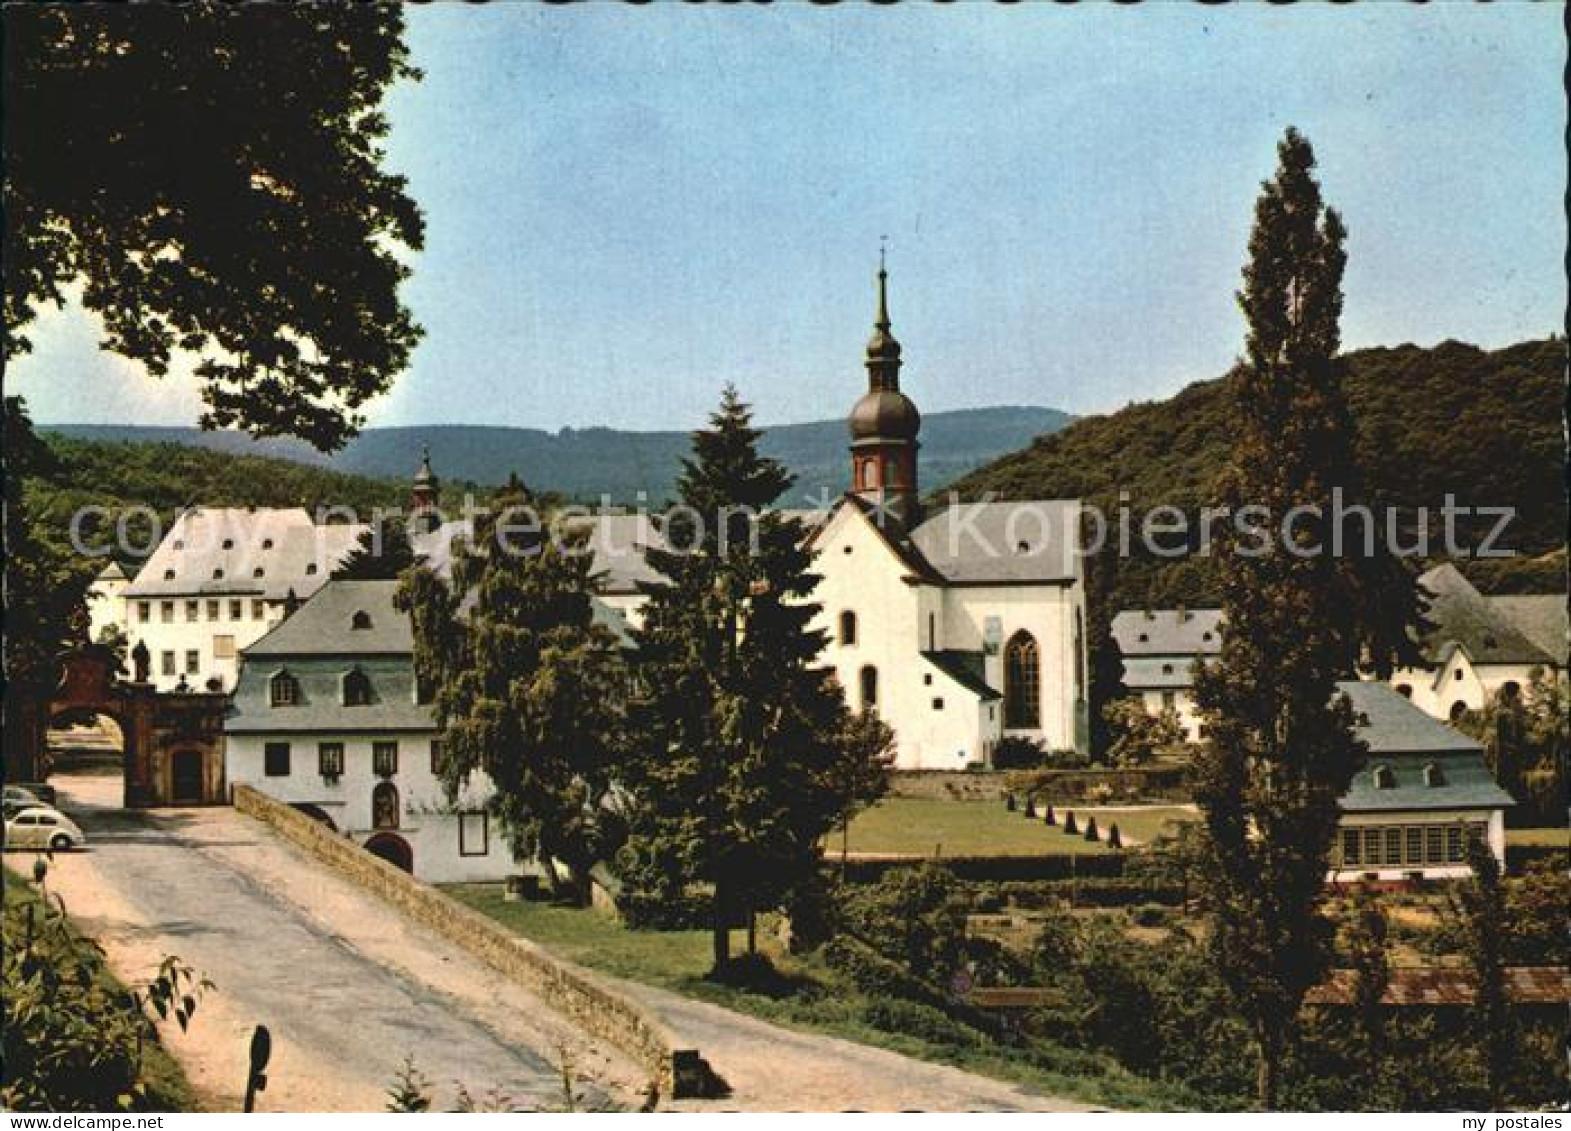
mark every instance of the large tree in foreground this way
{"type": "Point", "coordinates": [1280, 749]}
{"type": "Point", "coordinates": [211, 176]}
{"type": "Point", "coordinates": [743, 740]}
{"type": "Point", "coordinates": [527, 685]}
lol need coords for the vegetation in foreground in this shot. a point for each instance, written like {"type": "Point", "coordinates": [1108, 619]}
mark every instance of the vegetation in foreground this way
{"type": "Point", "coordinates": [76, 1038]}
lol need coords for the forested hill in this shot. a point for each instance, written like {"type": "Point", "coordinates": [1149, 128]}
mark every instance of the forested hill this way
{"type": "Point", "coordinates": [586, 463]}
{"type": "Point", "coordinates": [1483, 426]}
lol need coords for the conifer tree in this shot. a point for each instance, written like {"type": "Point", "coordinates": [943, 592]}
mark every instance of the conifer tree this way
{"type": "Point", "coordinates": [1479, 908]}
{"type": "Point", "coordinates": [381, 553]}
{"type": "Point", "coordinates": [1280, 749]}
{"type": "Point", "coordinates": [741, 736]}
{"type": "Point", "coordinates": [527, 685]}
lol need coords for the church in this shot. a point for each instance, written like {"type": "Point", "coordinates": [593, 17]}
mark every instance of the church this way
{"type": "Point", "coordinates": [962, 626]}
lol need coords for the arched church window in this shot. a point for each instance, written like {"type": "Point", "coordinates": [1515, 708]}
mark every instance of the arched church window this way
{"type": "Point", "coordinates": [847, 627]}
{"type": "Point", "coordinates": [384, 806]}
{"type": "Point", "coordinates": [869, 688]}
{"type": "Point", "coordinates": [1022, 683]}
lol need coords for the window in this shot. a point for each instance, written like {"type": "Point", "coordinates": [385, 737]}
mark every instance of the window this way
{"type": "Point", "coordinates": [1434, 845]}
{"type": "Point", "coordinates": [1372, 843]}
{"type": "Point", "coordinates": [1415, 844]}
{"type": "Point", "coordinates": [938, 704]}
{"type": "Point", "coordinates": [284, 690]}
{"type": "Point", "coordinates": [218, 575]}
{"type": "Point", "coordinates": [1456, 852]}
{"type": "Point", "coordinates": [236, 610]}
{"type": "Point", "coordinates": [144, 611]}
{"type": "Point", "coordinates": [357, 688]}
{"type": "Point", "coordinates": [1022, 682]}
{"type": "Point", "coordinates": [179, 543]}
{"type": "Point", "coordinates": [258, 572]}
{"type": "Point", "coordinates": [384, 806]}
{"type": "Point", "coordinates": [1169, 700]}
{"type": "Point", "coordinates": [1384, 778]}
{"type": "Point", "coordinates": [275, 759]}
{"type": "Point", "coordinates": [229, 543]}
{"type": "Point", "coordinates": [1434, 775]}
{"type": "Point", "coordinates": [258, 610]}
{"type": "Point", "coordinates": [169, 575]}
{"type": "Point", "coordinates": [1393, 846]}
{"type": "Point", "coordinates": [932, 632]}
{"type": "Point", "coordinates": [891, 473]}
{"type": "Point", "coordinates": [193, 661]}
{"type": "Point", "coordinates": [330, 759]}
{"type": "Point", "coordinates": [1167, 669]}
{"type": "Point", "coordinates": [267, 543]}
{"type": "Point", "coordinates": [223, 647]}
{"type": "Point", "coordinates": [474, 834]}
{"type": "Point", "coordinates": [360, 621]}
{"type": "Point", "coordinates": [869, 687]}
{"type": "Point", "coordinates": [166, 662]}
{"type": "Point", "coordinates": [1405, 690]}
{"type": "Point", "coordinates": [193, 610]}
{"type": "Point", "coordinates": [869, 475]}
{"type": "Point", "coordinates": [927, 679]}
{"type": "Point", "coordinates": [1458, 709]}
{"type": "Point", "coordinates": [310, 568]}
{"type": "Point", "coordinates": [1457, 675]}
{"type": "Point", "coordinates": [1510, 690]}
{"type": "Point", "coordinates": [1350, 843]}
{"type": "Point", "coordinates": [212, 610]}
{"type": "Point", "coordinates": [438, 755]}
{"type": "Point", "coordinates": [384, 759]}
{"type": "Point", "coordinates": [848, 627]}
{"type": "Point", "coordinates": [166, 612]}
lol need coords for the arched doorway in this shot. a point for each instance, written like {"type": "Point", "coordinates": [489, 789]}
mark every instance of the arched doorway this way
{"type": "Point", "coordinates": [392, 848]}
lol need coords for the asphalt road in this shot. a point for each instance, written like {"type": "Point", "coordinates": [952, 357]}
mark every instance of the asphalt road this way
{"type": "Point", "coordinates": [347, 987]}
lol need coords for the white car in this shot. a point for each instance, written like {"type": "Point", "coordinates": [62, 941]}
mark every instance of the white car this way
{"type": "Point", "coordinates": [17, 799]}
{"type": "Point", "coordinates": [40, 828]}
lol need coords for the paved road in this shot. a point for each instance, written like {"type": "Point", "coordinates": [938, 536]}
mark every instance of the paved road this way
{"type": "Point", "coordinates": [347, 986]}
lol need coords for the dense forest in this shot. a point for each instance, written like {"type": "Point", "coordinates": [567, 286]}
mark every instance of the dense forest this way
{"type": "Point", "coordinates": [1482, 426]}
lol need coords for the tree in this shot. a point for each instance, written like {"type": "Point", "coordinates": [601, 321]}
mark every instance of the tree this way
{"type": "Point", "coordinates": [742, 748]}
{"type": "Point", "coordinates": [527, 686]}
{"type": "Point", "coordinates": [1135, 736]}
{"type": "Point", "coordinates": [1107, 659]}
{"type": "Point", "coordinates": [171, 162]}
{"type": "Point", "coordinates": [1527, 742]}
{"type": "Point", "coordinates": [1280, 750]}
{"type": "Point", "coordinates": [381, 553]}
{"type": "Point", "coordinates": [1479, 907]}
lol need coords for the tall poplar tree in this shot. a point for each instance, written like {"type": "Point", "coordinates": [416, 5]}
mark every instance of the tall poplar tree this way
{"type": "Point", "coordinates": [527, 686]}
{"type": "Point", "coordinates": [1280, 749]}
{"type": "Point", "coordinates": [741, 736]}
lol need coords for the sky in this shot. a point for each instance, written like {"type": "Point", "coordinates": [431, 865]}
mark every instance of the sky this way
{"type": "Point", "coordinates": [628, 207]}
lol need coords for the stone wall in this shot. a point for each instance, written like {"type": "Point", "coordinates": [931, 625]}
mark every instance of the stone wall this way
{"type": "Point", "coordinates": [598, 1010]}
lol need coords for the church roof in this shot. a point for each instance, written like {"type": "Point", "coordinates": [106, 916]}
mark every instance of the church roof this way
{"type": "Point", "coordinates": [1033, 541]}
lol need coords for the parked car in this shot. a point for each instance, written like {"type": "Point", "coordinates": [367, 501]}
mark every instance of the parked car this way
{"type": "Point", "coordinates": [40, 827]}
{"type": "Point", "coordinates": [18, 798]}
{"type": "Point", "coordinates": [41, 790]}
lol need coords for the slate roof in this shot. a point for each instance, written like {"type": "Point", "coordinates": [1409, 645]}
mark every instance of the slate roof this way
{"type": "Point", "coordinates": [322, 626]}
{"type": "Point", "coordinates": [321, 709]}
{"type": "Point", "coordinates": [1029, 542]}
{"type": "Point", "coordinates": [1541, 617]}
{"type": "Point", "coordinates": [966, 669]}
{"type": "Point", "coordinates": [1464, 617]}
{"type": "Point", "coordinates": [1159, 673]}
{"type": "Point", "coordinates": [224, 550]}
{"type": "Point", "coordinates": [1168, 632]}
{"type": "Point", "coordinates": [1403, 739]}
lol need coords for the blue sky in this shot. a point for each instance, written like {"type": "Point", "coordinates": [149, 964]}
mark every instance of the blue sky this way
{"type": "Point", "coordinates": [628, 207]}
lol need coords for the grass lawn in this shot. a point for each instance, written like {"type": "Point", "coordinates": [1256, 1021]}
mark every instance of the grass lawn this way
{"type": "Point", "coordinates": [810, 997]}
{"type": "Point", "coordinates": [928, 826]}
{"type": "Point", "coordinates": [1550, 838]}
{"type": "Point", "coordinates": [168, 1089]}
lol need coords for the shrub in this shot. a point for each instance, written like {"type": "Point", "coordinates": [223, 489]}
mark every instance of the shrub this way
{"type": "Point", "coordinates": [1016, 752]}
{"type": "Point", "coordinates": [1151, 915]}
{"type": "Point", "coordinates": [1009, 802]}
{"type": "Point", "coordinates": [1114, 840]}
{"type": "Point", "coordinates": [1048, 817]}
{"type": "Point", "coordinates": [645, 911]}
{"type": "Point", "coordinates": [1030, 807]}
{"type": "Point", "coordinates": [924, 1022]}
{"type": "Point", "coordinates": [1091, 830]}
{"type": "Point", "coordinates": [1070, 828]}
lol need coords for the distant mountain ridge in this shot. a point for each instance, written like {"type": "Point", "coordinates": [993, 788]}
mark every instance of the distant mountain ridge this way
{"type": "Point", "coordinates": [585, 463]}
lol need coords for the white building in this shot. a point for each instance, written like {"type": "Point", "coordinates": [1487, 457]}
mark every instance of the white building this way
{"type": "Point", "coordinates": [1160, 648]}
{"type": "Point", "coordinates": [960, 626]}
{"type": "Point", "coordinates": [1421, 792]}
{"type": "Point", "coordinates": [1481, 646]}
{"type": "Point", "coordinates": [326, 718]}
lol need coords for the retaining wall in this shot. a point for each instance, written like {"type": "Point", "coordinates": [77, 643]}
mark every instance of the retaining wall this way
{"type": "Point", "coordinates": [676, 1070]}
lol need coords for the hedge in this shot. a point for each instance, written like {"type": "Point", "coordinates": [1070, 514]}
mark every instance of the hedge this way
{"type": "Point", "coordinates": [998, 869]}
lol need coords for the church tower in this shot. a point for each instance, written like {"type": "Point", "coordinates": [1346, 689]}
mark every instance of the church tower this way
{"type": "Point", "coordinates": [884, 426]}
{"type": "Point", "coordinates": [422, 495]}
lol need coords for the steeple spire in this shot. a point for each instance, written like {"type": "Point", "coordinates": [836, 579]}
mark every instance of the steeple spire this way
{"type": "Point", "coordinates": [884, 425]}
{"type": "Point", "coordinates": [883, 352]}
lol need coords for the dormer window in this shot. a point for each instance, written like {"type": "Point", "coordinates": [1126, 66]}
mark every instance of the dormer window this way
{"type": "Point", "coordinates": [1384, 778]}
{"type": "Point", "coordinates": [357, 688]}
{"type": "Point", "coordinates": [1206, 636]}
{"type": "Point", "coordinates": [284, 690]}
{"type": "Point", "coordinates": [267, 543]}
{"type": "Point", "coordinates": [1434, 775]}
{"type": "Point", "coordinates": [258, 572]}
{"type": "Point", "coordinates": [361, 620]}
{"type": "Point", "coordinates": [229, 543]}
{"type": "Point", "coordinates": [1167, 669]}
{"type": "Point", "coordinates": [169, 575]}
{"type": "Point", "coordinates": [1022, 547]}
{"type": "Point", "coordinates": [310, 568]}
